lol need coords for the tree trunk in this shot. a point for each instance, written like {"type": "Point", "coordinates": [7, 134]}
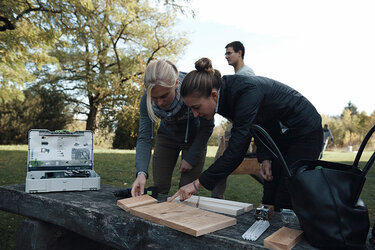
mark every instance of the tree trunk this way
{"type": "Point", "coordinates": [92, 122]}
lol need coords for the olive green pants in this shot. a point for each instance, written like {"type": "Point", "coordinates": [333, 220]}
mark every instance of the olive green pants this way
{"type": "Point", "coordinates": [166, 153]}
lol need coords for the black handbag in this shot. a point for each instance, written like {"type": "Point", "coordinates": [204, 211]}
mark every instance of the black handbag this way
{"type": "Point", "coordinates": [325, 197]}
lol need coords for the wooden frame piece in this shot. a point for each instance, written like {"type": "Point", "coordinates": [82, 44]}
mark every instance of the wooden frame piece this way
{"type": "Point", "coordinates": [190, 220]}
{"type": "Point", "coordinates": [284, 238]}
{"type": "Point", "coordinates": [132, 202]}
{"type": "Point", "coordinates": [186, 219]}
{"type": "Point", "coordinates": [246, 206]}
{"type": "Point", "coordinates": [233, 208]}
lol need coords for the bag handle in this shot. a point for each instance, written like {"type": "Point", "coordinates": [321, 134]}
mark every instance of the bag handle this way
{"type": "Point", "coordinates": [256, 130]}
{"type": "Point", "coordinates": [369, 164]}
{"type": "Point", "coordinates": [360, 151]}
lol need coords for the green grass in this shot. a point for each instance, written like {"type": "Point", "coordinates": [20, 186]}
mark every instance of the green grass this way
{"type": "Point", "coordinates": [116, 167]}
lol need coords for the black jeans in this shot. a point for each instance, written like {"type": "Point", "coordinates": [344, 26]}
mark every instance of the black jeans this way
{"type": "Point", "coordinates": [308, 146]}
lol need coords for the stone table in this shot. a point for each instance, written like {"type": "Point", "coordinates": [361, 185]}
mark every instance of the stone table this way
{"type": "Point", "coordinates": [92, 219]}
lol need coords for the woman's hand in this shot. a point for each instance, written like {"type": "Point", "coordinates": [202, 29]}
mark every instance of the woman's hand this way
{"type": "Point", "coordinates": [138, 187]}
{"type": "Point", "coordinates": [184, 166]}
{"type": "Point", "coordinates": [186, 191]}
{"type": "Point", "coordinates": [265, 170]}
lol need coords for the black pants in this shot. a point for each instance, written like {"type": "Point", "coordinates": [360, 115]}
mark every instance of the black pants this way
{"type": "Point", "coordinates": [308, 146]}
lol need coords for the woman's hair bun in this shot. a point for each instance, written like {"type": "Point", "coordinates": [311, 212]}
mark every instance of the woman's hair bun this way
{"type": "Point", "coordinates": [204, 65]}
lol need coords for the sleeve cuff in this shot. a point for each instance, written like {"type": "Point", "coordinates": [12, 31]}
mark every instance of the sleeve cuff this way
{"type": "Point", "coordinates": [142, 172]}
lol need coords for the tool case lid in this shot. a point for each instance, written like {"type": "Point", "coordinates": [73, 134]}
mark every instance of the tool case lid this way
{"type": "Point", "coordinates": [59, 150]}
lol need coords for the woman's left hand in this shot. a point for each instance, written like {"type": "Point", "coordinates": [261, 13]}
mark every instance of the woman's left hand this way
{"type": "Point", "coordinates": [186, 191]}
{"type": "Point", "coordinates": [184, 166]}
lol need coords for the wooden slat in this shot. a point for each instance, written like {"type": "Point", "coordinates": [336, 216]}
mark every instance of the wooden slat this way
{"type": "Point", "coordinates": [128, 203]}
{"type": "Point", "coordinates": [218, 205]}
{"type": "Point", "coordinates": [214, 207]}
{"type": "Point", "coordinates": [183, 218]}
{"type": "Point", "coordinates": [246, 206]}
{"type": "Point", "coordinates": [284, 238]}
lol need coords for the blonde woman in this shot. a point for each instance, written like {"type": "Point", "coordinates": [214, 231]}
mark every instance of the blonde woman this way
{"type": "Point", "coordinates": [179, 131]}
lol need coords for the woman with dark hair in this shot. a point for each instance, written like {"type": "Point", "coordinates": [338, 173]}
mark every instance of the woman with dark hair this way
{"type": "Point", "coordinates": [290, 119]}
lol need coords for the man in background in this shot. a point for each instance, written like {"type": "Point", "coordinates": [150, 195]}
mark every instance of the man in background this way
{"type": "Point", "coordinates": [326, 135]}
{"type": "Point", "coordinates": [234, 53]}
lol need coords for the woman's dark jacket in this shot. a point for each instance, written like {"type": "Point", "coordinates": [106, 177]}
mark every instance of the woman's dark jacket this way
{"type": "Point", "coordinates": [247, 100]}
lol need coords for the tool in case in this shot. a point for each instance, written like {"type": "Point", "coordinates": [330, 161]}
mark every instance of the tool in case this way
{"type": "Point", "coordinates": [60, 161]}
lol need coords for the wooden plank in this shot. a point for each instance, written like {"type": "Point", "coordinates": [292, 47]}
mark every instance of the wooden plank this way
{"type": "Point", "coordinates": [246, 206]}
{"type": "Point", "coordinates": [248, 166]}
{"type": "Point", "coordinates": [128, 203]}
{"type": "Point", "coordinates": [190, 220]}
{"type": "Point", "coordinates": [284, 239]}
{"type": "Point", "coordinates": [228, 207]}
{"type": "Point", "coordinates": [214, 207]}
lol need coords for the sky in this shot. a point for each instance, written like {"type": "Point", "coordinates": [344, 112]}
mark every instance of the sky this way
{"type": "Point", "coordinates": [325, 49]}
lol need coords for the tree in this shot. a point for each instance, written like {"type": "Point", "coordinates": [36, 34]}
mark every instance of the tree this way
{"type": "Point", "coordinates": [351, 125]}
{"type": "Point", "coordinates": [103, 51]}
{"type": "Point", "coordinates": [370, 122]}
{"type": "Point", "coordinates": [353, 108]}
{"type": "Point", "coordinates": [41, 108]}
{"type": "Point", "coordinates": [126, 132]}
{"type": "Point", "coordinates": [93, 52]}
{"type": "Point", "coordinates": [26, 33]}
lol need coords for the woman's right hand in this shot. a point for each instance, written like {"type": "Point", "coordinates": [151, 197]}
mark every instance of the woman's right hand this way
{"type": "Point", "coordinates": [138, 187]}
{"type": "Point", "coordinates": [265, 170]}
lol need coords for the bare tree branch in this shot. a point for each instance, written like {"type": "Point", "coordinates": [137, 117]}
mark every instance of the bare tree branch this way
{"type": "Point", "coordinates": [40, 8]}
{"type": "Point", "coordinates": [8, 25]}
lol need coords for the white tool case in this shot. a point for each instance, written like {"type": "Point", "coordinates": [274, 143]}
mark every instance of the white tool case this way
{"type": "Point", "coordinates": [60, 161]}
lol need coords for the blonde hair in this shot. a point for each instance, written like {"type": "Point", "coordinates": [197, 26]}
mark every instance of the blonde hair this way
{"type": "Point", "coordinates": [159, 72]}
{"type": "Point", "coordinates": [201, 81]}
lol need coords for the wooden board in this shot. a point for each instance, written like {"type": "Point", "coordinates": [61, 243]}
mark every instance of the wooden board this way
{"type": "Point", "coordinates": [129, 203]}
{"type": "Point", "coordinates": [190, 220]}
{"type": "Point", "coordinates": [248, 166]}
{"type": "Point", "coordinates": [246, 206]}
{"type": "Point", "coordinates": [284, 238]}
{"type": "Point", "coordinates": [218, 205]}
{"type": "Point", "coordinates": [214, 207]}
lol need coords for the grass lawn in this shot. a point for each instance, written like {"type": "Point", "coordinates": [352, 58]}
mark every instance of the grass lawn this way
{"type": "Point", "coordinates": [116, 168]}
